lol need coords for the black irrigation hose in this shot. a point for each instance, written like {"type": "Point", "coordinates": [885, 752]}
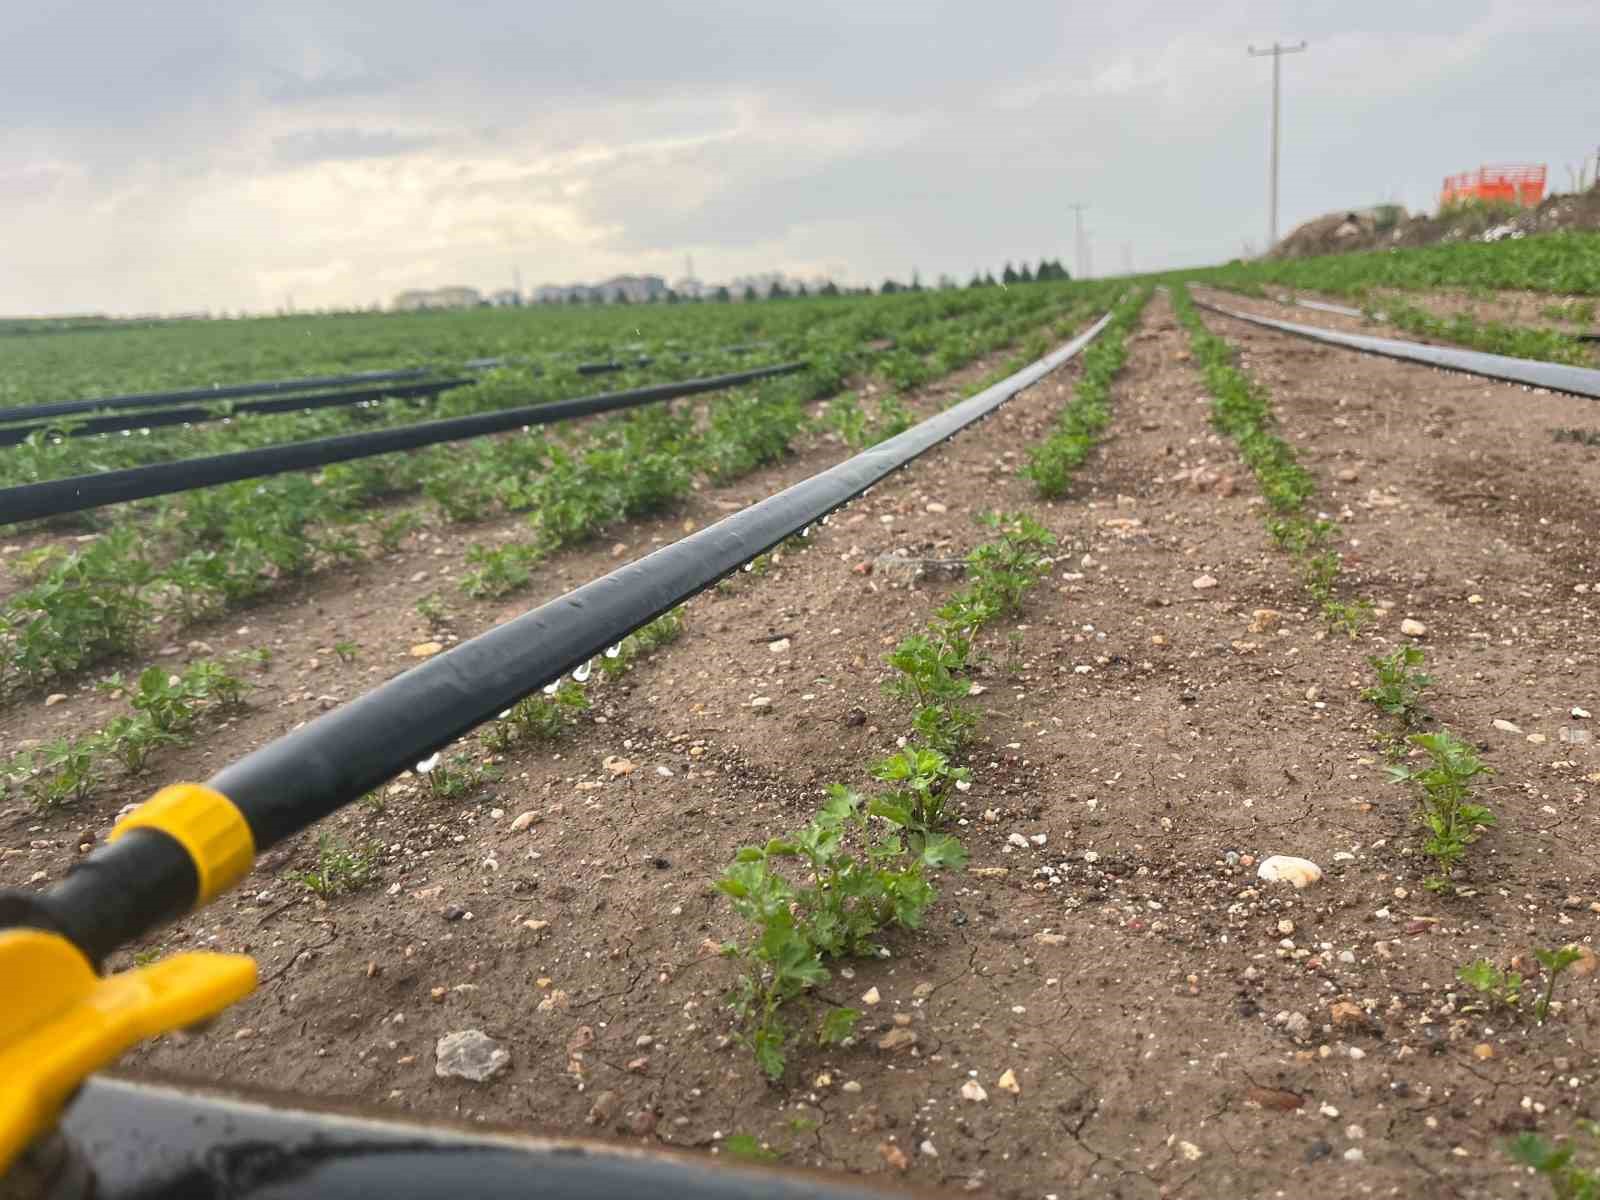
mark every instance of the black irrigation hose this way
{"type": "Point", "coordinates": [124, 888]}
{"type": "Point", "coordinates": [32, 501]}
{"type": "Point", "coordinates": [15, 435]}
{"type": "Point", "coordinates": [140, 1139]}
{"type": "Point", "coordinates": [1557, 377]}
{"type": "Point", "coordinates": [64, 408]}
{"type": "Point", "coordinates": [1343, 310]}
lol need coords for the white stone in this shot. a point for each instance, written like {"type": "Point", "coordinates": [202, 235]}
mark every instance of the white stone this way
{"type": "Point", "coordinates": [1283, 868]}
{"type": "Point", "coordinates": [1413, 628]}
{"type": "Point", "coordinates": [469, 1054]}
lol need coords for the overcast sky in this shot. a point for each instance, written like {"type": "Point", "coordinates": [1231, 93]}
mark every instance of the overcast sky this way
{"type": "Point", "coordinates": [182, 155]}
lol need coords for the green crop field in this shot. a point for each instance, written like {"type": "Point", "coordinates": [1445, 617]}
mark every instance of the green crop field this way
{"type": "Point", "coordinates": [1559, 263]}
{"type": "Point", "coordinates": [169, 562]}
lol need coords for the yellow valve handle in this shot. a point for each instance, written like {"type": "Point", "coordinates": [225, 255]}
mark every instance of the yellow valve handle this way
{"type": "Point", "coordinates": [59, 1021]}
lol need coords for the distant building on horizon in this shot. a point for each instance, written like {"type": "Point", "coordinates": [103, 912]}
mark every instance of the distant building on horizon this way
{"type": "Point", "coordinates": [419, 299]}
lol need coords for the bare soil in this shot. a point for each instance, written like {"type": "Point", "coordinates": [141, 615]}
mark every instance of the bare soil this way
{"type": "Point", "coordinates": [1175, 1025]}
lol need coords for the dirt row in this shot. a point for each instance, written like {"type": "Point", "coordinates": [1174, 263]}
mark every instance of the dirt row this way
{"type": "Point", "coordinates": [1174, 1026]}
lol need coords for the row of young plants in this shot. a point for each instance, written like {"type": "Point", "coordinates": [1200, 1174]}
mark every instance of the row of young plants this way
{"type": "Point", "coordinates": [902, 340]}
{"type": "Point", "coordinates": [1084, 418]}
{"type": "Point", "coordinates": [123, 358]}
{"type": "Point", "coordinates": [211, 549]}
{"type": "Point", "coordinates": [1564, 263]}
{"type": "Point", "coordinates": [1241, 409]}
{"type": "Point", "coordinates": [164, 709]}
{"type": "Point", "coordinates": [865, 865]}
{"type": "Point", "coordinates": [1444, 783]}
{"type": "Point", "coordinates": [1332, 276]}
{"type": "Point", "coordinates": [1493, 337]}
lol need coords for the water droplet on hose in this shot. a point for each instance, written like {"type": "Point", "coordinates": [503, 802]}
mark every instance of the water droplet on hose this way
{"type": "Point", "coordinates": [582, 673]}
{"type": "Point", "coordinates": [614, 650]}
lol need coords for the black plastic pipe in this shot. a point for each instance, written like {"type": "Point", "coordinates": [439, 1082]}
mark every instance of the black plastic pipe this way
{"type": "Point", "coordinates": [32, 501]}
{"type": "Point", "coordinates": [63, 408]}
{"type": "Point", "coordinates": [297, 780]}
{"type": "Point", "coordinates": [1557, 377]}
{"type": "Point", "coordinates": [139, 1139]}
{"type": "Point", "coordinates": [14, 435]}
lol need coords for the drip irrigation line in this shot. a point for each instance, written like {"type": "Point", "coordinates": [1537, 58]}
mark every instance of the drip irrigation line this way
{"type": "Point", "coordinates": [66, 408]}
{"type": "Point", "coordinates": [1556, 377]}
{"type": "Point", "coordinates": [32, 501]}
{"type": "Point", "coordinates": [14, 435]}
{"type": "Point", "coordinates": [127, 887]}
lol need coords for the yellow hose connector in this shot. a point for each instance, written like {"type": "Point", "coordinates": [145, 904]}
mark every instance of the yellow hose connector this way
{"type": "Point", "coordinates": [206, 824]}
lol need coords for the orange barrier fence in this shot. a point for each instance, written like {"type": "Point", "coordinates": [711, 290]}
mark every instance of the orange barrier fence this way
{"type": "Point", "coordinates": [1521, 185]}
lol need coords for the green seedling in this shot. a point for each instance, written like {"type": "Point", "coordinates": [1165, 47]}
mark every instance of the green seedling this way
{"type": "Point", "coordinates": [849, 899]}
{"type": "Point", "coordinates": [1554, 963]}
{"type": "Point", "coordinates": [449, 778]}
{"type": "Point", "coordinates": [432, 610]}
{"type": "Point", "coordinates": [665, 629]}
{"type": "Point", "coordinates": [60, 772]}
{"type": "Point", "coordinates": [748, 1148]}
{"type": "Point", "coordinates": [498, 571]}
{"type": "Point", "coordinates": [922, 782]}
{"type": "Point", "coordinates": [392, 532]}
{"type": "Point", "coordinates": [346, 650]}
{"type": "Point", "coordinates": [1445, 805]}
{"type": "Point", "coordinates": [340, 870]}
{"type": "Point", "coordinates": [1398, 692]}
{"type": "Point", "coordinates": [1559, 1165]}
{"type": "Point", "coordinates": [1503, 989]}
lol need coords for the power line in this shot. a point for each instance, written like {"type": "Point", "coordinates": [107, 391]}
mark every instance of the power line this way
{"type": "Point", "coordinates": [1277, 52]}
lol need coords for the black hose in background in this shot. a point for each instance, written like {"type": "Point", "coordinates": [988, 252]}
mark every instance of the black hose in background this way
{"type": "Point", "coordinates": [32, 501]}
{"type": "Point", "coordinates": [1557, 377]}
{"type": "Point", "coordinates": [300, 778]}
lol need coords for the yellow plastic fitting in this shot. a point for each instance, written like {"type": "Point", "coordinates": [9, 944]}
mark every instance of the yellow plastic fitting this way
{"type": "Point", "coordinates": [206, 824]}
{"type": "Point", "coordinates": [59, 1021]}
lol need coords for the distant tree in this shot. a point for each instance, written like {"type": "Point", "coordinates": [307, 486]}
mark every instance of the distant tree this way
{"type": "Point", "coordinates": [777, 292]}
{"type": "Point", "coordinates": [750, 293]}
{"type": "Point", "coordinates": [988, 279]}
{"type": "Point", "coordinates": [621, 297]}
{"type": "Point", "coordinates": [977, 280]}
{"type": "Point", "coordinates": [916, 280]}
{"type": "Point", "coordinates": [889, 288]}
{"type": "Point", "coordinates": [800, 290]}
{"type": "Point", "coordinates": [574, 298]}
{"type": "Point", "coordinates": [721, 295]}
{"type": "Point", "coordinates": [1008, 276]}
{"type": "Point", "coordinates": [829, 289]}
{"type": "Point", "coordinates": [671, 297]}
{"type": "Point", "coordinates": [1024, 275]}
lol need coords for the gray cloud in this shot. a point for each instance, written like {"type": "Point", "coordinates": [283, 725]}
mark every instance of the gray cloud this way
{"type": "Point", "coordinates": [308, 146]}
{"type": "Point", "coordinates": [188, 154]}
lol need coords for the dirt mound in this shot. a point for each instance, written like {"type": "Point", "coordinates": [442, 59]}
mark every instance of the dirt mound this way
{"type": "Point", "coordinates": [1389, 225]}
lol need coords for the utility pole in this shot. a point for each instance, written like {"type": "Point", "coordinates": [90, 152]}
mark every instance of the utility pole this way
{"type": "Point", "coordinates": [1277, 52]}
{"type": "Point", "coordinates": [1078, 244]}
